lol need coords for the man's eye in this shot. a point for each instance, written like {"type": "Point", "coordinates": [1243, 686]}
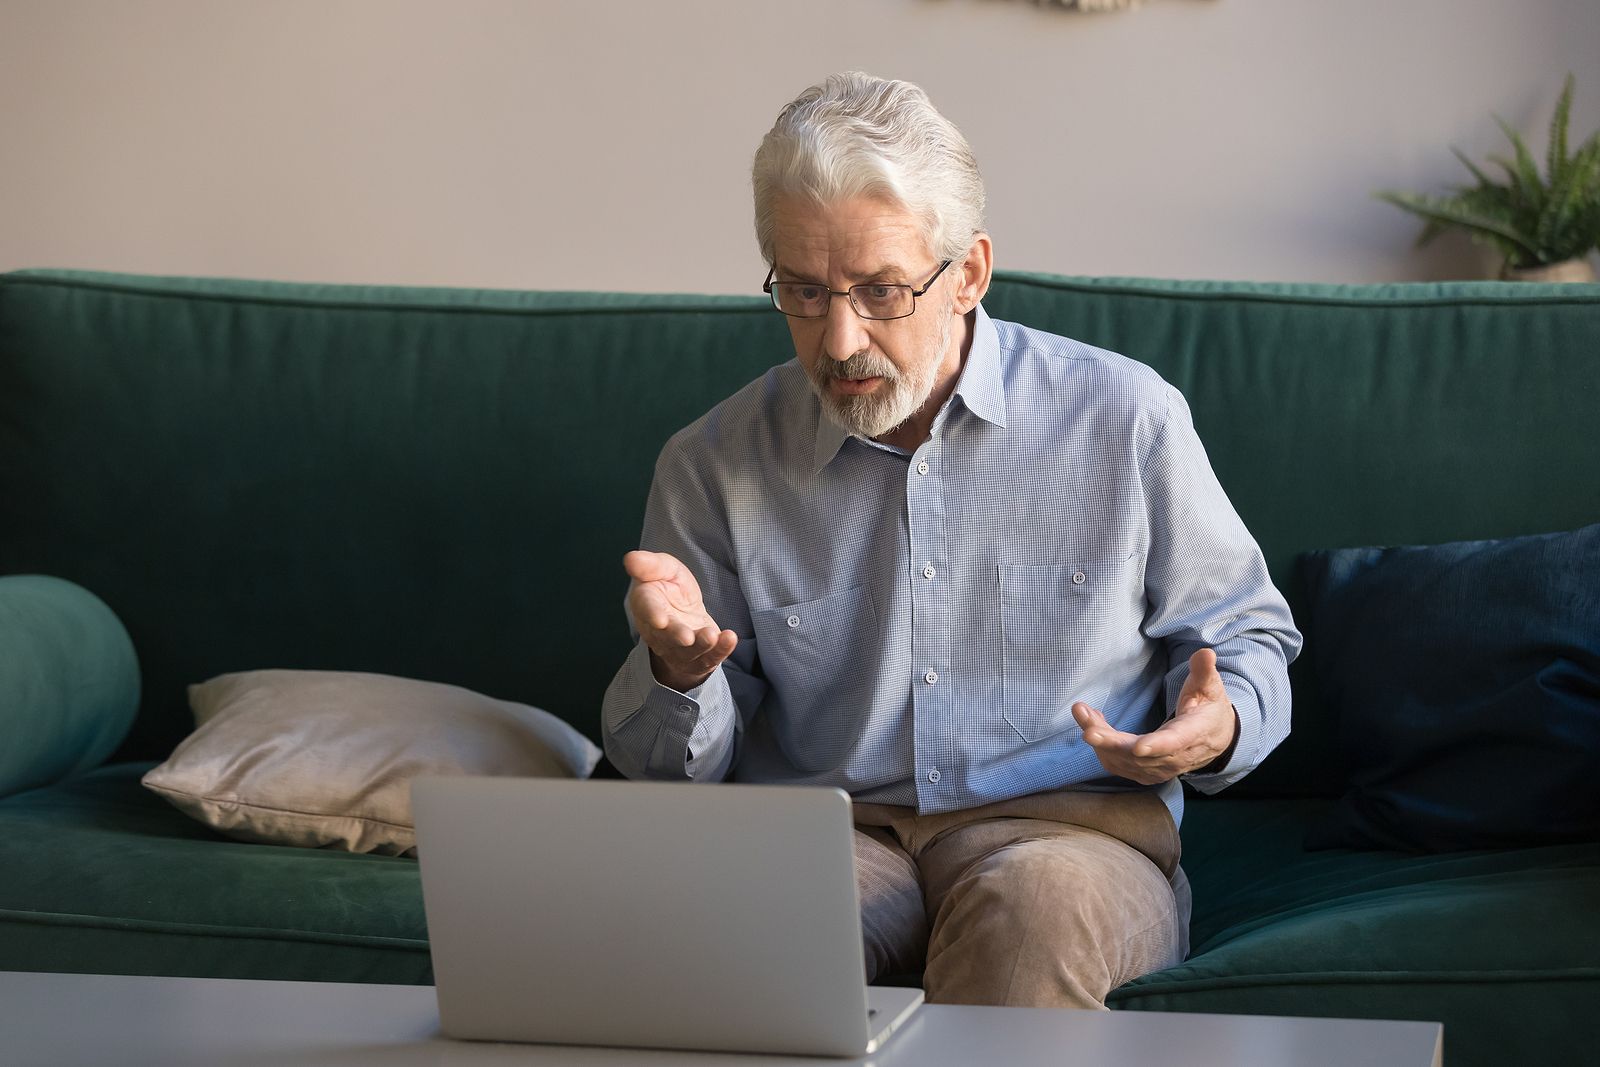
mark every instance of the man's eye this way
{"type": "Point", "coordinates": [809, 293]}
{"type": "Point", "coordinates": [880, 292]}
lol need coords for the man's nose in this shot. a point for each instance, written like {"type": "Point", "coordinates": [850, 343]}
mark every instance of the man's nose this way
{"type": "Point", "coordinates": [845, 332]}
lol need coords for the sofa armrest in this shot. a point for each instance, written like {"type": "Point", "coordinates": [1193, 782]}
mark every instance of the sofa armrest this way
{"type": "Point", "coordinates": [69, 681]}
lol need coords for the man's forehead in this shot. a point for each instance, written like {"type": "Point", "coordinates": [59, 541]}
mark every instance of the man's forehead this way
{"type": "Point", "coordinates": [800, 268]}
{"type": "Point", "coordinates": [865, 237]}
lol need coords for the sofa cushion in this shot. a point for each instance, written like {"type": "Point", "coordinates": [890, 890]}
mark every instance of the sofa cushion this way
{"type": "Point", "coordinates": [105, 877]}
{"type": "Point", "coordinates": [1466, 680]}
{"type": "Point", "coordinates": [1466, 938]}
{"type": "Point", "coordinates": [69, 680]}
{"type": "Point", "coordinates": [325, 759]}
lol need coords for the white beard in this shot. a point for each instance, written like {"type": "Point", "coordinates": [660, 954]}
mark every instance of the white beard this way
{"type": "Point", "coordinates": [901, 395]}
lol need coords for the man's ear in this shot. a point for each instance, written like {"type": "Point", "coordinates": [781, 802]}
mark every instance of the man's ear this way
{"type": "Point", "coordinates": [976, 271]}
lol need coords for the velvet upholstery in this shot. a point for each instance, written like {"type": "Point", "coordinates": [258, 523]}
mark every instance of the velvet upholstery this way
{"type": "Point", "coordinates": [439, 484]}
{"type": "Point", "coordinates": [1466, 680]}
{"type": "Point", "coordinates": [69, 681]}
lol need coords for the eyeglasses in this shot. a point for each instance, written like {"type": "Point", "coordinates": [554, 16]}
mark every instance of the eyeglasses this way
{"type": "Point", "coordinates": [808, 300]}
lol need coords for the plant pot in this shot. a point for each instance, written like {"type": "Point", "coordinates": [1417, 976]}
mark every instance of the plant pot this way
{"type": "Point", "coordinates": [1572, 270]}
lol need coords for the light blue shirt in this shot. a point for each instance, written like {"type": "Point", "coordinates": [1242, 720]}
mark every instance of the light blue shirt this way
{"type": "Point", "coordinates": [914, 627]}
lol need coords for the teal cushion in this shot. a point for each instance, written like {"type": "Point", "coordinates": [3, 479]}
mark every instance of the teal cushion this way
{"type": "Point", "coordinates": [1466, 679]}
{"type": "Point", "coordinates": [69, 681]}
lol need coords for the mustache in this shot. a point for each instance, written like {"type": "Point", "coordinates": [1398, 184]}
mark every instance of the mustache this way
{"type": "Point", "coordinates": [863, 364]}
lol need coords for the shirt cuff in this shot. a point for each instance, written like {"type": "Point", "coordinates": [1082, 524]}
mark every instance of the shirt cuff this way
{"type": "Point", "coordinates": [695, 730]}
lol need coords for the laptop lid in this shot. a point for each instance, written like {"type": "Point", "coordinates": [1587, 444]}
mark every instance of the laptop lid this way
{"type": "Point", "coordinates": [666, 915]}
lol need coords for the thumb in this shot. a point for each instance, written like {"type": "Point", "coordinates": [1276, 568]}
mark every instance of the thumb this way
{"type": "Point", "coordinates": [650, 566]}
{"type": "Point", "coordinates": [1204, 682]}
{"type": "Point", "coordinates": [1203, 662]}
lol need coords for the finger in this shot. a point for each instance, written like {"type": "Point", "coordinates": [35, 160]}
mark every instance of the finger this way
{"type": "Point", "coordinates": [699, 660]}
{"type": "Point", "coordinates": [645, 566]}
{"type": "Point", "coordinates": [1087, 716]}
{"type": "Point", "coordinates": [696, 638]}
{"type": "Point", "coordinates": [720, 650]}
{"type": "Point", "coordinates": [1168, 739]}
{"type": "Point", "coordinates": [1098, 732]}
{"type": "Point", "coordinates": [1091, 722]}
{"type": "Point", "coordinates": [651, 608]}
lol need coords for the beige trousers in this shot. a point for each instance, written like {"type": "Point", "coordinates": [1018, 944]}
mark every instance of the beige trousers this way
{"type": "Point", "coordinates": [1049, 900]}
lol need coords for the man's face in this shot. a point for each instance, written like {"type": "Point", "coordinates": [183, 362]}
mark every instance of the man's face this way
{"type": "Point", "coordinates": [871, 375]}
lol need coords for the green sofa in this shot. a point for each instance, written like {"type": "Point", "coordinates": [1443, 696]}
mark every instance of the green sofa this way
{"type": "Point", "coordinates": [440, 484]}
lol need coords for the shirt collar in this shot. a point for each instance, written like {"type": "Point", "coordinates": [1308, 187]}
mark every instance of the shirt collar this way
{"type": "Point", "coordinates": [982, 385]}
{"type": "Point", "coordinates": [981, 388]}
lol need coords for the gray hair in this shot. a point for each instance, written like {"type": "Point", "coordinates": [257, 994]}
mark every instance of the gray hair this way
{"type": "Point", "coordinates": [857, 135]}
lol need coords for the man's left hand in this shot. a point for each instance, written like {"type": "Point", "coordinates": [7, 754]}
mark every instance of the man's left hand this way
{"type": "Point", "coordinates": [1203, 727]}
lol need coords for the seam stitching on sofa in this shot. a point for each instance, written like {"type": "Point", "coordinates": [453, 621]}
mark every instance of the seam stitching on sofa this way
{"type": "Point", "coordinates": [1132, 287]}
{"type": "Point", "coordinates": [1314, 978]}
{"type": "Point", "coordinates": [347, 305]}
{"type": "Point", "coordinates": [154, 926]}
{"type": "Point", "coordinates": [1116, 287]}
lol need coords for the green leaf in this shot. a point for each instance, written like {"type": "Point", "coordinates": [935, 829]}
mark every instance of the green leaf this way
{"type": "Point", "coordinates": [1557, 156]}
{"type": "Point", "coordinates": [1527, 171]}
{"type": "Point", "coordinates": [1449, 211]}
{"type": "Point", "coordinates": [1576, 182]}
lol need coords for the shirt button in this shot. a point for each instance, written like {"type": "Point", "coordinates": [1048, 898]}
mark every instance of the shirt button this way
{"type": "Point", "coordinates": [685, 707]}
{"type": "Point", "coordinates": [928, 571]}
{"type": "Point", "coordinates": [1078, 578]}
{"type": "Point", "coordinates": [922, 468]}
{"type": "Point", "coordinates": [793, 621]}
{"type": "Point", "coordinates": [931, 677]}
{"type": "Point", "coordinates": [933, 776]}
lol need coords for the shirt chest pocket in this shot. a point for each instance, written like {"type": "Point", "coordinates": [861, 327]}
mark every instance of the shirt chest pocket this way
{"type": "Point", "coordinates": [805, 645]}
{"type": "Point", "coordinates": [817, 656]}
{"type": "Point", "coordinates": [1060, 625]}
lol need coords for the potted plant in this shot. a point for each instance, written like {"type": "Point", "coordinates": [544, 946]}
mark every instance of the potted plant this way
{"type": "Point", "coordinates": [1545, 227]}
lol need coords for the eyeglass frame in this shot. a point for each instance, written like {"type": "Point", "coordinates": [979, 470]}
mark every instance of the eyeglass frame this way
{"type": "Point", "coordinates": [766, 287]}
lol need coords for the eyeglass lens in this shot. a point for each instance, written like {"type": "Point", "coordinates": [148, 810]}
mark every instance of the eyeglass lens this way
{"type": "Point", "coordinates": [870, 301]}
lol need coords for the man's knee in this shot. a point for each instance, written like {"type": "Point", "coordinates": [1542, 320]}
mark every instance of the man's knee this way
{"type": "Point", "coordinates": [1066, 919]}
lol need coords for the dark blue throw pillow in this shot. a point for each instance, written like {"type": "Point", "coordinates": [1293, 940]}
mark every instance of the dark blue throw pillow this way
{"type": "Point", "coordinates": [1466, 679]}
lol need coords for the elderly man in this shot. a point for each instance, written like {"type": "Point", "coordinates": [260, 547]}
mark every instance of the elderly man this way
{"type": "Point", "coordinates": [978, 576]}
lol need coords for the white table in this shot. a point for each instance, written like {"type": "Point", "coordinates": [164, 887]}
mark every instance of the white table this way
{"type": "Point", "coordinates": [71, 1019]}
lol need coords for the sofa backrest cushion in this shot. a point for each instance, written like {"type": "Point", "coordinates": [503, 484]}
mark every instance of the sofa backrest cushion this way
{"type": "Point", "coordinates": [439, 484]}
{"type": "Point", "coordinates": [431, 484]}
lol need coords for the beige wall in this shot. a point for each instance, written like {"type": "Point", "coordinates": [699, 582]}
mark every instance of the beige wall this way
{"type": "Point", "coordinates": [605, 145]}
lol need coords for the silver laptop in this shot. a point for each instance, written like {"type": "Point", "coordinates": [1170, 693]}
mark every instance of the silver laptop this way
{"type": "Point", "coordinates": [658, 915]}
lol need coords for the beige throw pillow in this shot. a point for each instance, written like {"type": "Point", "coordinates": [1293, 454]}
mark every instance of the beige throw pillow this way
{"type": "Point", "coordinates": [324, 759]}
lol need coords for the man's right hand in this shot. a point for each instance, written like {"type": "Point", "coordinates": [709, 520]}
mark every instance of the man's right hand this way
{"type": "Point", "coordinates": [685, 643]}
